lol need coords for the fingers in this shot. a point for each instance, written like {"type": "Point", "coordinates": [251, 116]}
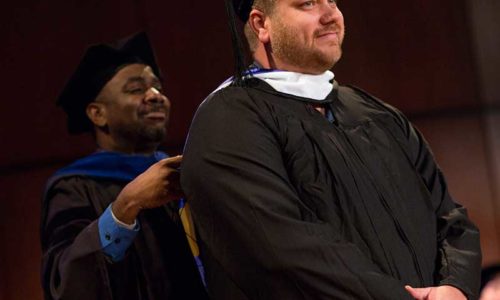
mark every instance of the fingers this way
{"type": "Point", "coordinates": [418, 293]}
{"type": "Point", "coordinates": [173, 162]}
{"type": "Point", "coordinates": [161, 183]}
{"type": "Point", "coordinates": [412, 292]}
{"type": "Point", "coordinates": [171, 165]}
{"type": "Point", "coordinates": [173, 176]}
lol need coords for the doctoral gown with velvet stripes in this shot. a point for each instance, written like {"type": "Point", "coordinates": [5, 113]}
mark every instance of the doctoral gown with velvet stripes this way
{"type": "Point", "coordinates": [158, 265]}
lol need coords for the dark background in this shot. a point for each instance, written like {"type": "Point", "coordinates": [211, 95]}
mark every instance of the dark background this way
{"type": "Point", "coordinates": [435, 60]}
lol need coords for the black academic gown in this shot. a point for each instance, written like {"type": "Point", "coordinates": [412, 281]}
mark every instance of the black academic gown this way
{"type": "Point", "coordinates": [290, 206]}
{"type": "Point", "coordinates": [158, 265]}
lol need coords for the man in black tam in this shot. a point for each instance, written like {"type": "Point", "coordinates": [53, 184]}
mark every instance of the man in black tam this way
{"type": "Point", "coordinates": [302, 188]}
{"type": "Point", "coordinates": [110, 228]}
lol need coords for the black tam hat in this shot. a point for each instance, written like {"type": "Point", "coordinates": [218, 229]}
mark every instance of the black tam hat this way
{"type": "Point", "coordinates": [240, 8]}
{"type": "Point", "coordinates": [99, 64]}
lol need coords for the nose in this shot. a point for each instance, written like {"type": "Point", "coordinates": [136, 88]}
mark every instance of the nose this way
{"type": "Point", "coordinates": [154, 95]}
{"type": "Point", "coordinates": [330, 12]}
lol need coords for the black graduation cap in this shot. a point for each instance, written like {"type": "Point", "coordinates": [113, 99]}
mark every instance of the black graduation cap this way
{"type": "Point", "coordinates": [240, 8]}
{"type": "Point", "coordinates": [98, 65]}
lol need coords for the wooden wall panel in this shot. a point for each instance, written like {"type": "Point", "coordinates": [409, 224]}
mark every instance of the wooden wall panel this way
{"type": "Point", "coordinates": [430, 59]}
{"type": "Point", "coordinates": [460, 147]}
{"type": "Point", "coordinates": [44, 42]}
{"type": "Point", "coordinates": [484, 21]}
{"type": "Point", "coordinates": [3, 274]}
{"type": "Point", "coordinates": [414, 54]}
{"type": "Point", "coordinates": [493, 140]}
{"type": "Point", "coordinates": [19, 228]}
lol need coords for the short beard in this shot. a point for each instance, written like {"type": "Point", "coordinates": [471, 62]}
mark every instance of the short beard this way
{"type": "Point", "coordinates": [291, 50]}
{"type": "Point", "coordinates": [141, 138]}
{"type": "Point", "coordinates": [152, 134]}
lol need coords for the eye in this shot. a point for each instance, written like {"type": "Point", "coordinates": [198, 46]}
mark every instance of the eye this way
{"type": "Point", "coordinates": [136, 90]}
{"type": "Point", "coordinates": [307, 4]}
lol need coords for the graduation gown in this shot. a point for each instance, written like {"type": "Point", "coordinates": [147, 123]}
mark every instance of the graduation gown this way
{"type": "Point", "coordinates": [158, 265]}
{"type": "Point", "coordinates": [290, 206]}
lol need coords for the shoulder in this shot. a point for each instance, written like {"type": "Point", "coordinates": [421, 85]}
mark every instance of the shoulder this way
{"type": "Point", "coordinates": [73, 183]}
{"type": "Point", "coordinates": [235, 106]}
{"type": "Point", "coordinates": [79, 192]}
{"type": "Point", "coordinates": [231, 119]}
{"type": "Point", "coordinates": [230, 98]}
{"type": "Point", "coordinates": [256, 93]}
{"type": "Point", "coordinates": [358, 98]}
{"type": "Point", "coordinates": [365, 106]}
{"type": "Point", "coordinates": [70, 184]}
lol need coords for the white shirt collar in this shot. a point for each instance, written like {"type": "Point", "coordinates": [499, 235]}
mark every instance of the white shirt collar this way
{"type": "Point", "coordinates": [315, 87]}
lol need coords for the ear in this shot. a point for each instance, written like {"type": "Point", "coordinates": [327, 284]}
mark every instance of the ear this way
{"type": "Point", "coordinates": [97, 114]}
{"type": "Point", "coordinates": [259, 23]}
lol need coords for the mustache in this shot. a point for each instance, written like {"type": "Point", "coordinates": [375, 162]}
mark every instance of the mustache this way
{"type": "Point", "coordinates": [328, 29]}
{"type": "Point", "coordinates": [151, 108]}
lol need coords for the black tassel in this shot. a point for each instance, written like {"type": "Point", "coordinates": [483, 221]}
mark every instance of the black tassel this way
{"type": "Point", "coordinates": [238, 48]}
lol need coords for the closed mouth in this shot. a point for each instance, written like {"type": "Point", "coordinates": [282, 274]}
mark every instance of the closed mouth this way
{"type": "Point", "coordinates": [156, 115]}
{"type": "Point", "coordinates": [327, 33]}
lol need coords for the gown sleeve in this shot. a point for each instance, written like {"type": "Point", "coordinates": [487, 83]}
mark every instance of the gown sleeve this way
{"type": "Point", "coordinates": [459, 252]}
{"type": "Point", "coordinates": [248, 217]}
{"type": "Point", "coordinates": [73, 264]}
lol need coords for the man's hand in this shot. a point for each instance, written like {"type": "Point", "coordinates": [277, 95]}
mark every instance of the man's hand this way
{"type": "Point", "coordinates": [156, 186]}
{"type": "Point", "coordinates": [443, 292]}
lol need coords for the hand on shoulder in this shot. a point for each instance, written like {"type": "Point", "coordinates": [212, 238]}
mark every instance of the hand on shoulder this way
{"type": "Point", "coordinates": [158, 185]}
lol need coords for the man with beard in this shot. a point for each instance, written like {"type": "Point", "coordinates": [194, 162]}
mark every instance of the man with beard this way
{"type": "Point", "coordinates": [109, 227]}
{"type": "Point", "coordinates": [305, 189]}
